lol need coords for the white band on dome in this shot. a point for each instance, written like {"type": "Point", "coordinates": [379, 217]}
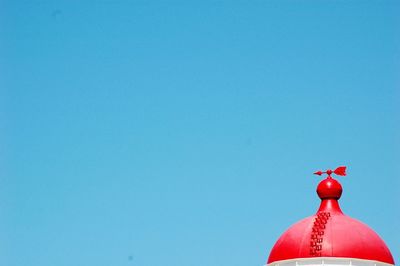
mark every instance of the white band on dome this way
{"type": "Point", "coordinates": [328, 261]}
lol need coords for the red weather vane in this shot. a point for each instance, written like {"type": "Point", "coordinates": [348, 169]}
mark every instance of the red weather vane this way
{"type": "Point", "coordinates": [341, 170]}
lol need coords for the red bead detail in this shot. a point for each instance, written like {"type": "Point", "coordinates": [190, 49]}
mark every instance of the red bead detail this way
{"type": "Point", "coordinates": [317, 233]}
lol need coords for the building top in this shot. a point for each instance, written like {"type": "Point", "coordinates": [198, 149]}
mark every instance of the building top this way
{"type": "Point", "coordinates": [330, 233]}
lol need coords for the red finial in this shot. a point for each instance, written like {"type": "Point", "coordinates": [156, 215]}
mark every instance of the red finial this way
{"type": "Point", "coordinates": [341, 170]}
{"type": "Point", "coordinates": [329, 187]}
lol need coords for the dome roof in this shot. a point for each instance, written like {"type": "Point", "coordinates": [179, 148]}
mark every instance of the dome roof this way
{"type": "Point", "coordinates": [330, 233]}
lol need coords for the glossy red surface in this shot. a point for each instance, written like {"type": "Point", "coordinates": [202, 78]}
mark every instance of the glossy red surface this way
{"type": "Point", "coordinates": [330, 233]}
{"type": "Point", "coordinates": [329, 188]}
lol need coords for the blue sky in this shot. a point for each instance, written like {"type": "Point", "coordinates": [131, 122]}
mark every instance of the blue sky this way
{"type": "Point", "coordinates": [186, 133]}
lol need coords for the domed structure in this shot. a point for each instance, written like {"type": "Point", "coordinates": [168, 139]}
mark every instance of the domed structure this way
{"type": "Point", "coordinates": [330, 237]}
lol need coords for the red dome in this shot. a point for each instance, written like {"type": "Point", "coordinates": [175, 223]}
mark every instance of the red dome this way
{"type": "Point", "coordinates": [330, 233]}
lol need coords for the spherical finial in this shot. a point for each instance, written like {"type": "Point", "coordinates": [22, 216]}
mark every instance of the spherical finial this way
{"type": "Point", "coordinates": [329, 188]}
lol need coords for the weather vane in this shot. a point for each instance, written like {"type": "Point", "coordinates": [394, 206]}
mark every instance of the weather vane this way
{"type": "Point", "coordinates": [341, 170]}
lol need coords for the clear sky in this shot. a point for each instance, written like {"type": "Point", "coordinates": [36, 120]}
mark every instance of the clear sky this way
{"type": "Point", "coordinates": [186, 132]}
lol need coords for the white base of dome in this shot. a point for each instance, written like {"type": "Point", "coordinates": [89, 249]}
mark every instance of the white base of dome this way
{"type": "Point", "coordinates": [328, 261]}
